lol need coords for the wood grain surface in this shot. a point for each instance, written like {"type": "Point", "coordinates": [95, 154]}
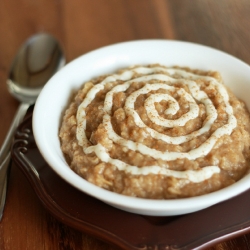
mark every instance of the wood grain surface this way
{"type": "Point", "coordinates": [81, 26]}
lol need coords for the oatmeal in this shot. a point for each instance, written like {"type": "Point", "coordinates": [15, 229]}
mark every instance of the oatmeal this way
{"type": "Point", "coordinates": [157, 132]}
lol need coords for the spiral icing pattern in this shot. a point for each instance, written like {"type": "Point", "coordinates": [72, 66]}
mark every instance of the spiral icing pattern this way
{"type": "Point", "coordinates": [172, 99]}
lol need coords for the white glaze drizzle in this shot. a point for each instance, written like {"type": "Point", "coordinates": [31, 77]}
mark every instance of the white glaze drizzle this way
{"type": "Point", "coordinates": [191, 175]}
{"type": "Point", "coordinates": [168, 83]}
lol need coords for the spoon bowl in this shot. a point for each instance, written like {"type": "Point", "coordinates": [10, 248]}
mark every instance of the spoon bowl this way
{"type": "Point", "coordinates": [37, 60]}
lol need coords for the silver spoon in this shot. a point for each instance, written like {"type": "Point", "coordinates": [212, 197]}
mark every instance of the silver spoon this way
{"type": "Point", "coordinates": [35, 63]}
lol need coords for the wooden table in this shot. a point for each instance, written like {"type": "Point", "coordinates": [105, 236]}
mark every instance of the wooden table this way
{"type": "Point", "coordinates": [81, 26]}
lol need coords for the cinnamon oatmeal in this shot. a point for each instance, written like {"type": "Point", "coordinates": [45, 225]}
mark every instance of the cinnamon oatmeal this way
{"type": "Point", "coordinates": [157, 132]}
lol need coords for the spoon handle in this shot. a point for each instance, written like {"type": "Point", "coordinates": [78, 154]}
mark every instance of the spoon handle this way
{"type": "Point", "coordinates": [6, 147]}
{"type": "Point", "coordinates": [3, 182]}
{"type": "Point", "coordinates": [5, 153]}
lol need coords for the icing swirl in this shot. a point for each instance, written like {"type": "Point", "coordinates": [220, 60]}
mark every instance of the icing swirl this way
{"type": "Point", "coordinates": [157, 84]}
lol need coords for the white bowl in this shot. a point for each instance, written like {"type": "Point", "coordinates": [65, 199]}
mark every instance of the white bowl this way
{"type": "Point", "coordinates": [54, 97]}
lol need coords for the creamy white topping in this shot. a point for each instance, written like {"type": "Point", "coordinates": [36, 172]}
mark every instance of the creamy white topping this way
{"type": "Point", "coordinates": [155, 79]}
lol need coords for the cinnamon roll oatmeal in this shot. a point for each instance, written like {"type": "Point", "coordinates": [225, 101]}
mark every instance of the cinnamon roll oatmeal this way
{"type": "Point", "coordinates": [157, 132]}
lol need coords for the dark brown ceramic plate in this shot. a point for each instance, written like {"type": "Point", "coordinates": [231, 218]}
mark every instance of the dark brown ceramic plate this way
{"type": "Point", "coordinates": [125, 230]}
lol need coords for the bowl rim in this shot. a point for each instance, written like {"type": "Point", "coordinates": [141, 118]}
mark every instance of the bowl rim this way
{"type": "Point", "coordinates": [134, 204]}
